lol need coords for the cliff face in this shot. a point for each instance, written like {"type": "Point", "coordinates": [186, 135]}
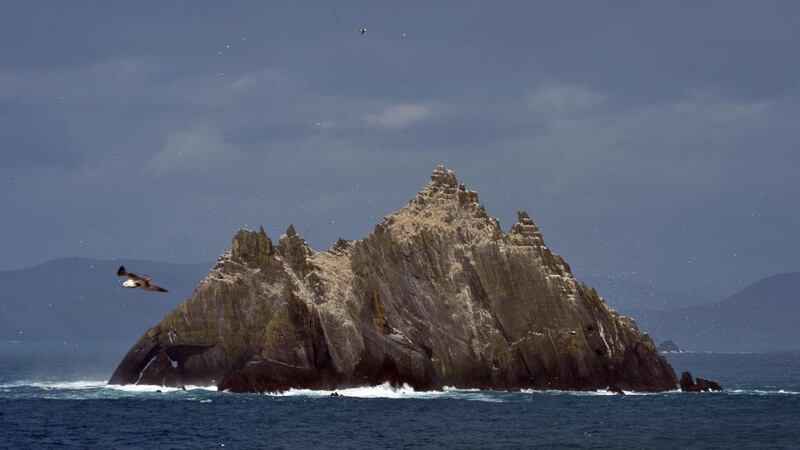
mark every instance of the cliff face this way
{"type": "Point", "coordinates": [436, 296]}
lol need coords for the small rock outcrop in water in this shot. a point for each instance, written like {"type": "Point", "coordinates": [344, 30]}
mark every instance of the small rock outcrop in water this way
{"type": "Point", "coordinates": [615, 390]}
{"type": "Point", "coordinates": [668, 347]}
{"type": "Point", "coordinates": [688, 384]}
{"type": "Point", "coordinates": [437, 295]}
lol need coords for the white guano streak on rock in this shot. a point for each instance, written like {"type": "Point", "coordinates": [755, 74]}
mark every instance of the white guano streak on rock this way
{"type": "Point", "coordinates": [144, 369]}
{"type": "Point", "coordinates": [603, 335]}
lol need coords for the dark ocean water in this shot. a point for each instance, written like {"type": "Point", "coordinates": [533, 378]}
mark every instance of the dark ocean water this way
{"type": "Point", "coordinates": [55, 395]}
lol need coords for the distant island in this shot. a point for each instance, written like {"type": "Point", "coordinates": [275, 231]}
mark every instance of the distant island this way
{"type": "Point", "coordinates": [437, 295]}
{"type": "Point", "coordinates": [668, 347]}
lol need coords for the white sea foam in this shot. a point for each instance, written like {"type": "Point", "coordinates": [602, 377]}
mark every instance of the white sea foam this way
{"type": "Point", "coordinates": [81, 388]}
{"type": "Point", "coordinates": [71, 385]}
{"type": "Point", "coordinates": [761, 392]}
{"type": "Point", "coordinates": [384, 390]}
{"type": "Point", "coordinates": [97, 385]}
{"type": "Point", "coordinates": [599, 392]}
{"type": "Point", "coordinates": [387, 391]}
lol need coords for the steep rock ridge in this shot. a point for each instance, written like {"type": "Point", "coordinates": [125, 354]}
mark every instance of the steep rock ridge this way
{"type": "Point", "coordinates": [437, 295]}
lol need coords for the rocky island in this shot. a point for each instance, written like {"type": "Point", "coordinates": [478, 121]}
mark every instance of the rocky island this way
{"type": "Point", "coordinates": [669, 347]}
{"type": "Point", "coordinates": [437, 295]}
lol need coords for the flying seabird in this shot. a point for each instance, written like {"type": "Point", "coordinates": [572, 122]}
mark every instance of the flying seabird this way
{"type": "Point", "coordinates": [363, 30]}
{"type": "Point", "coordinates": [135, 281]}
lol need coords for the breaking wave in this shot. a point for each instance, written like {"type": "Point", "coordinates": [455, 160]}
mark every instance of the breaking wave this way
{"type": "Point", "coordinates": [89, 389]}
{"type": "Point", "coordinates": [93, 384]}
{"type": "Point", "coordinates": [761, 392]}
{"type": "Point", "coordinates": [405, 391]}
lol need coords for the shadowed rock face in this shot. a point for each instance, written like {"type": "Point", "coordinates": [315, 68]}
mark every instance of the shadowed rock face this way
{"type": "Point", "coordinates": [436, 296]}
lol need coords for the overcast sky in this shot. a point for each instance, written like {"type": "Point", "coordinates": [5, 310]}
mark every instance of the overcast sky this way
{"type": "Point", "coordinates": [651, 141]}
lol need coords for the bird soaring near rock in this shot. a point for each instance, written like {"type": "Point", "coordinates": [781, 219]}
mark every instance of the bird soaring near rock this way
{"type": "Point", "coordinates": [135, 281]}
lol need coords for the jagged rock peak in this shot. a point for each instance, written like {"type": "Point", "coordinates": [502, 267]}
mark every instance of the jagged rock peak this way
{"type": "Point", "coordinates": [443, 176]}
{"type": "Point", "coordinates": [444, 204]}
{"type": "Point", "coordinates": [295, 250]}
{"type": "Point", "coordinates": [523, 217]}
{"type": "Point", "coordinates": [445, 184]}
{"type": "Point", "coordinates": [526, 228]}
{"type": "Point", "coordinates": [252, 247]}
{"type": "Point", "coordinates": [293, 238]}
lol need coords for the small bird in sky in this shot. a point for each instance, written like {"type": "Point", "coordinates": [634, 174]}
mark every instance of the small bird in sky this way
{"type": "Point", "coordinates": [134, 281]}
{"type": "Point", "coordinates": [363, 30]}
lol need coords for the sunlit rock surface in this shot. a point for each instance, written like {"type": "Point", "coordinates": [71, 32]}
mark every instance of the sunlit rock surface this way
{"type": "Point", "coordinates": [437, 295]}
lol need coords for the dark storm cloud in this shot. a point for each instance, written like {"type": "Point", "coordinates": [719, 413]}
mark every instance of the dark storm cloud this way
{"type": "Point", "coordinates": [650, 141]}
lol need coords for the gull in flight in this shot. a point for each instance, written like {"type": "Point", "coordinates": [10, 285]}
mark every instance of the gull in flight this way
{"type": "Point", "coordinates": [363, 30]}
{"type": "Point", "coordinates": [134, 281]}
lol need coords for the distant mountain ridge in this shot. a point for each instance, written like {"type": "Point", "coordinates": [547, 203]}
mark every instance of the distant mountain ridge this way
{"type": "Point", "coordinates": [761, 317]}
{"type": "Point", "coordinates": [629, 297]}
{"type": "Point", "coordinates": [80, 299]}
